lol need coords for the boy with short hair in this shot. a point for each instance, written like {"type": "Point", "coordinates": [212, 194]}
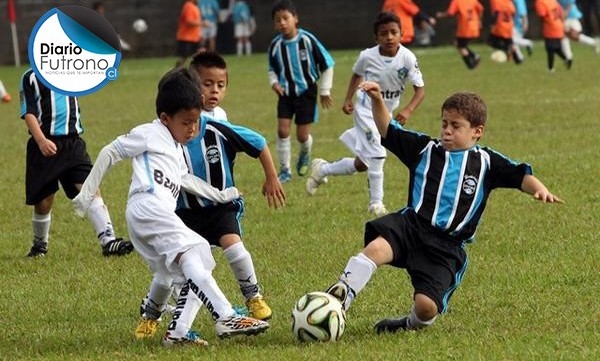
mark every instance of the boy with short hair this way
{"type": "Point", "coordinates": [57, 154]}
{"type": "Point", "coordinates": [173, 251]}
{"type": "Point", "coordinates": [295, 83]}
{"type": "Point", "coordinates": [393, 66]}
{"type": "Point", "coordinates": [468, 26]}
{"type": "Point", "coordinates": [450, 181]}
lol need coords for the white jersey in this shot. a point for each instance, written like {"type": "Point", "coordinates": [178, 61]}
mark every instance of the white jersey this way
{"type": "Point", "coordinates": [217, 113]}
{"type": "Point", "coordinates": [393, 75]}
{"type": "Point", "coordinates": [157, 161]}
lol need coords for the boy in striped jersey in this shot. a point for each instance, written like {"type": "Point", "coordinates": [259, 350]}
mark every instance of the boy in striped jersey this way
{"type": "Point", "coordinates": [56, 153]}
{"type": "Point", "coordinates": [450, 181]}
{"type": "Point", "coordinates": [297, 60]}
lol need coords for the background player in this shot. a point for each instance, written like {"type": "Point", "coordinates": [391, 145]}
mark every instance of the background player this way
{"type": "Point", "coordinates": [450, 181]}
{"type": "Point", "coordinates": [393, 66]}
{"type": "Point", "coordinates": [501, 31]}
{"type": "Point", "coordinates": [551, 15]}
{"type": "Point", "coordinates": [209, 11]}
{"type": "Point", "coordinates": [296, 88]}
{"type": "Point", "coordinates": [468, 26]}
{"type": "Point", "coordinates": [573, 28]}
{"type": "Point", "coordinates": [521, 26]}
{"type": "Point", "coordinates": [57, 154]}
{"type": "Point", "coordinates": [172, 250]}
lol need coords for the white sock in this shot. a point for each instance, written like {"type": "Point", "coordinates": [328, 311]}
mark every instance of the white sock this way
{"type": "Point", "coordinates": [414, 323]}
{"type": "Point", "coordinates": [158, 295]}
{"type": "Point", "coordinates": [565, 44]}
{"type": "Point", "coordinates": [2, 90]}
{"type": "Point", "coordinates": [204, 285]}
{"type": "Point", "coordinates": [248, 48]}
{"type": "Point", "coordinates": [357, 274]}
{"type": "Point", "coordinates": [306, 147]}
{"type": "Point", "coordinates": [40, 223]}
{"type": "Point", "coordinates": [344, 166]}
{"type": "Point", "coordinates": [584, 39]}
{"type": "Point", "coordinates": [242, 266]}
{"type": "Point", "coordinates": [284, 152]}
{"type": "Point", "coordinates": [98, 215]}
{"type": "Point", "coordinates": [375, 176]}
{"type": "Point", "coordinates": [185, 312]}
{"type": "Point", "coordinates": [240, 48]}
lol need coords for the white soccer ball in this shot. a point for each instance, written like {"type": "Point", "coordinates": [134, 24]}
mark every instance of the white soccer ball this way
{"type": "Point", "coordinates": [139, 26]}
{"type": "Point", "coordinates": [318, 316]}
{"type": "Point", "coordinates": [498, 56]}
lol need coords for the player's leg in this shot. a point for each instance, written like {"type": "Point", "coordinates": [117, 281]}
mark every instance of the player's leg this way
{"type": "Point", "coordinates": [179, 331]}
{"type": "Point", "coordinates": [155, 302]}
{"type": "Point", "coordinates": [4, 95]}
{"type": "Point", "coordinates": [306, 114]}
{"type": "Point", "coordinates": [305, 140]}
{"type": "Point", "coordinates": [320, 169]}
{"type": "Point", "coordinates": [40, 223]}
{"type": "Point", "coordinates": [375, 176]}
{"type": "Point", "coordinates": [423, 314]}
{"type": "Point", "coordinates": [283, 147]}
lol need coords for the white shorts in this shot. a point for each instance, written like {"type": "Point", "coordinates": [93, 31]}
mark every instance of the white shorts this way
{"type": "Point", "coordinates": [209, 29]}
{"type": "Point", "coordinates": [573, 24]}
{"type": "Point", "coordinates": [364, 143]}
{"type": "Point", "coordinates": [242, 30]}
{"type": "Point", "coordinates": [159, 235]}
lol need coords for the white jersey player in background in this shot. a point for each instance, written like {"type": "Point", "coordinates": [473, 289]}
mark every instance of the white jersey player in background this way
{"type": "Point", "coordinates": [393, 67]}
{"type": "Point", "coordinates": [173, 251]}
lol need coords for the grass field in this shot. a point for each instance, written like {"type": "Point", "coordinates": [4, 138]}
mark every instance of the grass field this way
{"type": "Point", "coordinates": [531, 292]}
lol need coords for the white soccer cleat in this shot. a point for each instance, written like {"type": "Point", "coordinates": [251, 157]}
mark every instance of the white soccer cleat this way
{"type": "Point", "coordinates": [240, 325]}
{"type": "Point", "coordinates": [378, 209]}
{"type": "Point", "coordinates": [315, 179]}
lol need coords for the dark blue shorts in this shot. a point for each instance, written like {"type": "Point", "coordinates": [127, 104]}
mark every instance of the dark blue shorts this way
{"type": "Point", "coordinates": [303, 107]}
{"type": "Point", "coordinates": [435, 262]}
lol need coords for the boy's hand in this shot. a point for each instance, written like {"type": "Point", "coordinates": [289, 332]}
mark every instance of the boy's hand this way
{"type": "Point", "coordinates": [273, 190]}
{"type": "Point", "coordinates": [371, 88]}
{"type": "Point", "coordinates": [47, 147]}
{"type": "Point", "coordinates": [277, 89]}
{"type": "Point", "coordinates": [326, 101]}
{"type": "Point", "coordinates": [545, 196]}
{"type": "Point", "coordinates": [348, 107]}
{"type": "Point", "coordinates": [402, 117]}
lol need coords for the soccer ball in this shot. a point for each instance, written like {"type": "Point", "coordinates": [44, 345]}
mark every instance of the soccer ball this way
{"type": "Point", "coordinates": [498, 56]}
{"type": "Point", "coordinates": [318, 316]}
{"type": "Point", "coordinates": [139, 26]}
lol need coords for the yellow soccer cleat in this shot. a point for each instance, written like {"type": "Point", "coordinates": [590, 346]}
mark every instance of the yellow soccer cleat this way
{"type": "Point", "coordinates": [146, 328]}
{"type": "Point", "coordinates": [258, 308]}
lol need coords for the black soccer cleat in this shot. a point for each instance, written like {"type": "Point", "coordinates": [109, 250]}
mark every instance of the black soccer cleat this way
{"type": "Point", "coordinates": [39, 248]}
{"type": "Point", "coordinates": [117, 247]}
{"type": "Point", "coordinates": [391, 325]}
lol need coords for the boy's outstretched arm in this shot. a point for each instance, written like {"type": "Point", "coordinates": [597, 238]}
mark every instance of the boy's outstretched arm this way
{"type": "Point", "coordinates": [417, 98]}
{"type": "Point", "coordinates": [272, 188]}
{"type": "Point", "coordinates": [535, 187]}
{"type": "Point", "coordinates": [381, 115]}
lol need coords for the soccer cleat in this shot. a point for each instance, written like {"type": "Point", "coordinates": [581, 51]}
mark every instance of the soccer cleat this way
{"type": "Point", "coordinates": [191, 338]}
{"type": "Point", "coordinates": [342, 292]}
{"type": "Point", "coordinates": [569, 63]}
{"type": "Point", "coordinates": [39, 248]}
{"type": "Point", "coordinates": [315, 180]}
{"type": "Point", "coordinates": [258, 308]}
{"type": "Point", "coordinates": [378, 209]}
{"type": "Point", "coordinates": [392, 325]}
{"type": "Point", "coordinates": [117, 247]}
{"type": "Point", "coordinates": [302, 164]}
{"type": "Point", "coordinates": [529, 50]}
{"type": "Point", "coordinates": [240, 325]}
{"type": "Point", "coordinates": [146, 328]}
{"type": "Point", "coordinates": [285, 175]}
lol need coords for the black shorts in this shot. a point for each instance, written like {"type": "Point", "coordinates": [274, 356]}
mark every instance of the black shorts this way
{"type": "Point", "coordinates": [215, 221]}
{"type": "Point", "coordinates": [187, 48]}
{"type": "Point", "coordinates": [435, 262]}
{"type": "Point", "coordinates": [463, 42]}
{"type": "Point", "coordinates": [499, 43]}
{"type": "Point", "coordinates": [552, 45]}
{"type": "Point", "coordinates": [304, 107]}
{"type": "Point", "coordinates": [70, 166]}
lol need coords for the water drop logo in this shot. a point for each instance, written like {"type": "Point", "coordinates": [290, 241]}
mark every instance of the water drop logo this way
{"type": "Point", "coordinates": [74, 50]}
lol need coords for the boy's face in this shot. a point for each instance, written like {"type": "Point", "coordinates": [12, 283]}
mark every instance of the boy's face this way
{"type": "Point", "coordinates": [213, 85]}
{"type": "Point", "coordinates": [183, 125]}
{"type": "Point", "coordinates": [286, 23]}
{"type": "Point", "coordinates": [457, 133]}
{"type": "Point", "coordinates": [388, 38]}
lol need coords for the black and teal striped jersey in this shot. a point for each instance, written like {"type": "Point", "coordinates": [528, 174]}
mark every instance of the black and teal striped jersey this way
{"type": "Point", "coordinates": [57, 114]}
{"type": "Point", "coordinates": [298, 62]}
{"type": "Point", "coordinates": [449, 189]}
{"type": "Point", "coordinates": [211, 155]}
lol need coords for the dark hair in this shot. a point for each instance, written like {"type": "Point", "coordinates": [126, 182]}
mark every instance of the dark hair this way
{"type": "Point", "coordinates": [282, 5]}
{"type": "Point", "coordinates": [469, 105]}
{"type": "Point", "coordinates": [97, 5]}
{"type": "Point", "coordinates": [207, 59]}
{"type": "Point", "coordinates": [385, 17]}
{"type": "Point", "coordinates": [178, 90]}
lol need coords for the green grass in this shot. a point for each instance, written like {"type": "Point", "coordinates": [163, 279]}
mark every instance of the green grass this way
{"type": "Point", "coordinates": [531, 292]}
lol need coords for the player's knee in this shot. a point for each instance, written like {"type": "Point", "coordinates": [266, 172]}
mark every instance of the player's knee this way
{"type": "Point", "coordinates": [425, 307]}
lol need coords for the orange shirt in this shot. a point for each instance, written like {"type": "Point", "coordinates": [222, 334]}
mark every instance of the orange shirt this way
{"type": "Point", "coordinates": [551, 14]}
{"type": "Point", "coordinates": [503, 12]}
{"type": "Point", "coordinates": [186, 32]}
{"type": "Point", "coordinates": [405, 10]}
{"type": "Point", "coordinates": [468, 17]}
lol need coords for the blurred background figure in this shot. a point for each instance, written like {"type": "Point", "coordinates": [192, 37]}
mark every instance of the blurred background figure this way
{"type": "Point", "coordinates": [424, 31]}
{"type": "Point", "coordinates": [406, 10]}
{"type": "Point", "coordinates": [573, 28]}
{"type": "Point", "coordinates": [521, 26]}
{"type": "Point", "coordinates": [188, 32]}
{"type": "Point", "coordinates": [243, 27]}
{"type": "Point", "coordinates": [99, 7]}
{"type": "Point", "coordinates": [209, 10]}
{"type": "Point", "coordinates": [4, 94]}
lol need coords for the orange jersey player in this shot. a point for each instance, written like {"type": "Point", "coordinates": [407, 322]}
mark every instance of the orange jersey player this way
{"type": "Point", "coordinates": [551, 14]}
{"type": "Point", "coordinates": [468, 26]}
{"type": "Point", "coordinates": [501, 32]}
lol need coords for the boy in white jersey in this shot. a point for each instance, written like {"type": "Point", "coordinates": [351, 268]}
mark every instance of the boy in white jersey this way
{"type": "Point", "coordinates": [393, 66]}
{"type": "Point", "coordinates": [173, 251]}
